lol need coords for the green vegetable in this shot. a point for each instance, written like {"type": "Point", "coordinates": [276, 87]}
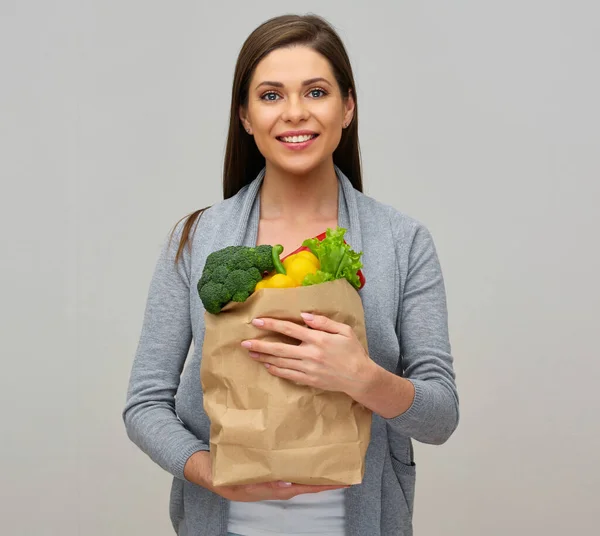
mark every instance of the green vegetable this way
{"type": "Point", "coordinates": [279, 268]}
{"type": "Point", "coordinates": [337, 259]}
{"type": "Point", "coordinates": [231, 273]}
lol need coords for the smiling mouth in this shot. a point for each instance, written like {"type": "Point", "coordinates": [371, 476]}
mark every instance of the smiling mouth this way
{"type": "Point", "coordinates": [297, 139]}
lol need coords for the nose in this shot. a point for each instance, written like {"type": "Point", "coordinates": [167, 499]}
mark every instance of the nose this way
{"type": "Point", "coordinates": [295, 110]}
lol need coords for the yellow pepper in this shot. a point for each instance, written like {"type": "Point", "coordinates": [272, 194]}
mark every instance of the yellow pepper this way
{"type": "Point", "coordinates": [276, 281]}
{"type": "Point", "coordinates": [263, 283]}
{"type": "Point", "coordinates": [299, 267]}
{"type": "Point", "coordinates": [296, 267]}
{"type": "Point", "coordinates": [301, 255]}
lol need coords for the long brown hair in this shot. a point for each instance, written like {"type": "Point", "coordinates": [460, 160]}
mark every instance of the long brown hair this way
{"type": "Point", "coordinates": [243, 160]}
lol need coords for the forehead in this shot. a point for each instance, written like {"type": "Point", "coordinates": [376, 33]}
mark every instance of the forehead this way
{"type": "Point", "coordinates": [291, 66]}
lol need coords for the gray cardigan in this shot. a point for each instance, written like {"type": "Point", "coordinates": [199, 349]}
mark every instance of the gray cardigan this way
{"type": "Point", "coordinates": [407, 329]}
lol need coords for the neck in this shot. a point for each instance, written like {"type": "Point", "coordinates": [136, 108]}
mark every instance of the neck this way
{"type": "Point", "coordinates": [299, 198]}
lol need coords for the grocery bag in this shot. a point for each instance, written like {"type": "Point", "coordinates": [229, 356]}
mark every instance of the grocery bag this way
{"type": "Point", "coordinates": [266, 428]}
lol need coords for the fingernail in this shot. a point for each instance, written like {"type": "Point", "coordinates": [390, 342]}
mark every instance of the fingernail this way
{"type": "Point", "coordinates": [247, 344]}
{"type": "Point", "coordinates": [258, 322]}
{"type": "Point", "coordinates": [267, 365]}
{"type": "Point", "coordinates": [253, 354]}
{"type": "Point", "coordinates": [285, 484]}
{"type": "Point", "coordinates": [307, 316]}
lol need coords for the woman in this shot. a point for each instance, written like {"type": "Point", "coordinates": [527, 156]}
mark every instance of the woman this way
{"type": "Point", "coordinates": [292, 169]}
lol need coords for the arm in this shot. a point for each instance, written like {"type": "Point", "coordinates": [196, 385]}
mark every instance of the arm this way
{"type": "Point", "coordinates": [149, 413]}
{"type": "Point", "coordinates": [198, 471]}
{"type": "Point", "coordinates": [383, 392]}
{"type": "Point", "coordinates": [431, 408]}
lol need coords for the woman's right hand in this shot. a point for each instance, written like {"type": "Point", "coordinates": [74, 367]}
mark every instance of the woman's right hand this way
{"type": "Point", "coordinates": [198, 470]}
{"type": "Point", "coordinates": [268, 491]}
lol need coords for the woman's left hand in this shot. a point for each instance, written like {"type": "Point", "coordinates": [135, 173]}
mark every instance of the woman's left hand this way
{"type": "Point", "coordinates": [329, 357]}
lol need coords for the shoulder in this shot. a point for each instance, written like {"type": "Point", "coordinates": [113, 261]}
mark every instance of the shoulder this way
{"type": "Point", "coordinates": [378, 215]}
{"type": "Point", "coordinates": [384, 224]}
{"type": "Point", "coordinates": [224, 208]}
{"type": "Point", "coordinates": [211, 217]}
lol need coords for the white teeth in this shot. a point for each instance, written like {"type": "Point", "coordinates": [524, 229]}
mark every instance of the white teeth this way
{"type": "Point", "coordinates": [298, 139]}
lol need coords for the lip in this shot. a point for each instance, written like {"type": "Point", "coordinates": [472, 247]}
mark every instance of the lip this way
{"type": "Point", "coordinates": [298, 146]}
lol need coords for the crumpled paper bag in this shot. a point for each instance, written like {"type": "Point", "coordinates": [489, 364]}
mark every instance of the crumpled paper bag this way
{"type": "Point", "coordinates": [265, 428]}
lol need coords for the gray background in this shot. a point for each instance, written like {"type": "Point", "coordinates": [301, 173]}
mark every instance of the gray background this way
{"type": "Point", "coordinates": [478, 118]}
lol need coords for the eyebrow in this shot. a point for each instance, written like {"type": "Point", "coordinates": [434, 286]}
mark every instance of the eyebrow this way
{"type": "Point", "coordinates": [305, 83]}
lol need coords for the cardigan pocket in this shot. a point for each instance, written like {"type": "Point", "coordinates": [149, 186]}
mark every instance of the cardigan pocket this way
{"type": "Point", "coordinates": [406, 475]}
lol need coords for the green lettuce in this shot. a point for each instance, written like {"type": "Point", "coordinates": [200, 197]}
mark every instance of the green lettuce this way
{"type": "Point", "coordinates": [338, 260]}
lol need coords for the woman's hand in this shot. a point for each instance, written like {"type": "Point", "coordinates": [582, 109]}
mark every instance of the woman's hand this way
{"type": "Point", "coordinates": [198, 470]}
{"type": "Point", "coordinates": [268, 491]}
{"type": "Point", "coordinates": [329, 357]}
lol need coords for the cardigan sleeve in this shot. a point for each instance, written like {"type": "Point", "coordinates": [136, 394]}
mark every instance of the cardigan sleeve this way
{"type": "Point", "coordinates": [422, 328]}
{"type": "Point", "coordinates": [149, 414]}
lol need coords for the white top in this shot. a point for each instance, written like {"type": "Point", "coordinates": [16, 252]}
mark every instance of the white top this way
{"type": "Point", "coordinates": [320, 513]}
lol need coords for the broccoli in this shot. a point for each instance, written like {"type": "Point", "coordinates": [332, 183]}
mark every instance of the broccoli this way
{"type": "Point", "coordinates": [231, 273]}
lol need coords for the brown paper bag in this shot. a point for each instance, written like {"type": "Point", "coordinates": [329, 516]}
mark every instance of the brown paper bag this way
{"type": "Point", "coordinates": [265, 428]}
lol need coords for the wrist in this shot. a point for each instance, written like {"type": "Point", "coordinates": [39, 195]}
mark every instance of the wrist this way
{"type": "Point", "coordinates": [368, 378]}
{"type": "Point", "coordinates": [197, 469]}
{"type": "Point", "coordinates": [383, 392]}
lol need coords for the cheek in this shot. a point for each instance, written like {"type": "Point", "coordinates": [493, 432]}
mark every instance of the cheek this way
{"type": "Point", "coordinates": [333, 125]}
{"type": "Point", "coordinates": [263, 125]}
{"type": "Point", "coordinates": [263, 119]}
{"type": "Point", "coordinates": [331, 118]}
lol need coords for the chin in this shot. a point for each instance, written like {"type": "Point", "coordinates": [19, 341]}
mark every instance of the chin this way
{"type": "Point", "coordinates": [299, 168]}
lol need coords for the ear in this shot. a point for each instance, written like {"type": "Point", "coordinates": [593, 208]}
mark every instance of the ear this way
{"type": "Point", "coordinates": [349, 106]}
{"type": "Point", "coordinates": [244, 119]}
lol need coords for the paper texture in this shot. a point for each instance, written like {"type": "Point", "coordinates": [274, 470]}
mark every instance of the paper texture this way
{"type": "Point", "coordinates": [265, 428]}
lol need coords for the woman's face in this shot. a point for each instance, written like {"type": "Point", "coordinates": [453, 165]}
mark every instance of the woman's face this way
{"type": "Point", "coordinates": [295, 109]}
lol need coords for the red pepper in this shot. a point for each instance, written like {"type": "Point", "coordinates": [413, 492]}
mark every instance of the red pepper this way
{"type": "Point", "coordinates": [361, 277]}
